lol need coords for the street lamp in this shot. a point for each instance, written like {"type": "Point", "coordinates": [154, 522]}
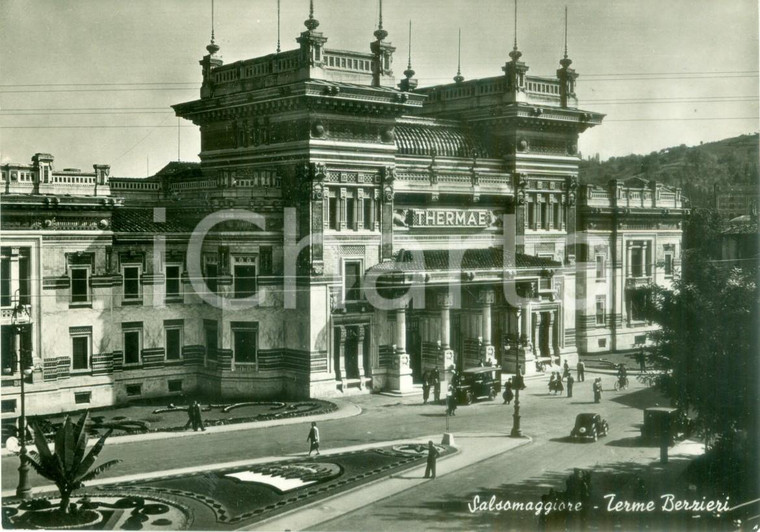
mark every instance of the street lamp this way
{"type": "Point", "coordinates": [518, 384]}
{"type": "Point", "coordinates": [21, 318]}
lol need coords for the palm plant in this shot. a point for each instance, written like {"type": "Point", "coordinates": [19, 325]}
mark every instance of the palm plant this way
{"type": "Point", "coordinates": [67, 466]}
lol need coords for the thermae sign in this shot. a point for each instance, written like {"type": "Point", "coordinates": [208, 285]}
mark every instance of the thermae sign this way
{"type": "Point", "coordinates": [445, 218]}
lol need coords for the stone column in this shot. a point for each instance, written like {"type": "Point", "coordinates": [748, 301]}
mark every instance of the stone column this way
{"type": "Point", "coordinates": [360, 354]}
{"type": "Point", "coordinates": [400, 377]}
{"type": "Point", "coordinates": [15, 275]}
{"type": "Point", "coordinates": [342, 202]}
{"type": "Point", "coordinates": [644, 258]}
{"type": "Point", "coordinates": [487, 299]}
{"type": "Point", "coordinates": [341, 369]}
{"type": "Point", "coordinates": [445, 300]}
{"type": "Point", "coordinates": [550, 332]}
{"type": "Point", "coordinates": [535, 332]}
{"type": "Point", "coordinates": [628, 253]}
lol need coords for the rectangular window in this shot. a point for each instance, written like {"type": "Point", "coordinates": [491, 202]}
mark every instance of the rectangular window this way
{"type": "Point", "coordinates": [175, 385]}
{"type": "Point", "coordinates": [245, 341]}
{"type": "Point", "coordinates": [173, 340]}
{"type": "Point", "coordinates": [532, 215]}
{"type": "Point", "coordinates": [24, 278]}
{"type": "Point", "coordinates": [80, 352]}
{"type": "Point", "coordinates": [545, 283]}
{"type": "Point", "coordinates": [636, 270]}
{"type": "Point", "coordinates": [173, 282]}
{"type": "Point", "coordinates": [600, 274]}
{"type": "Point", "coordinates": [668, 265]}
{"type": "Point", "coordinates": [352, 288]}
{"type": "Point", "coordinates": [557, 220]}
{"type": "Point", "coordinates": [212, 273]}
{"type": "Point", "coordinates": [134, 390]}
{"type": "Point", "coordinates": [80, 292]}
{"type": "Point", "coordinates": [602, 342]}
{"type": "Point", "coordinates": [544, 216]}
{"type": "Point", "coordinates": [369, 223]}
{"type": "Point", "coordinates": [8, 406]}
{"type": "Point", "coordinates": [5, 282]}
{"type": "Point", "coordinates": [350, 213]}
{"type": "Point", "coordinates": [600, 310]}
{"type": "Point", "coordinates": [245, 280]}
{"type": "Point", "coordinates": [332, 207]}
{"type": "Point", "coordinates": [212, 338]}
{"type": "Point", "coordinates": [82, 398]}
{"type": "Point", "coordinates": [132, 345]}
{"type": "Point", "coordinates": [131, 282]}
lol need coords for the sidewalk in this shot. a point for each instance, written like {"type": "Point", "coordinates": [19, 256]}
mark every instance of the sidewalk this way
{"type": "Point", "coordinates": [345, 409]}
{"type": "Point", "coordinates": [472, 447]}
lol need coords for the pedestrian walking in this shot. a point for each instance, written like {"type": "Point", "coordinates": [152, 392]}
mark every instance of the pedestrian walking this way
{"type": "Point", "coordinates": [313, 438]}
{"type": "Point", "coordinates": [198, 423]}
{"type": "Point", "coordinates": [597, 387]}
{"type": "Point", "coordinates": [560, 386]}
{"type": "Point", "coordinates": [190, 416]}
{"type": "Point", "coordinates": [451, 402]}
{"type": "Point", "coordinates": [425, 388]}
{"type": "Point", "coordinates": [581, 368]}
{"type": "Point", "coordinates": [431, 460]}
{"type": "Point", "coordinates": [642, 361]}
{"type": "Point", "coordinates": [566, 370]}
{"type": "Point", "coordinates": [553, 382]}
{"type": "Point", "coordinates": [570, 381]}
{"type": "Point", "coordinates": [436, 386]}
{"type": "Point", "coordinates": [508, 394]}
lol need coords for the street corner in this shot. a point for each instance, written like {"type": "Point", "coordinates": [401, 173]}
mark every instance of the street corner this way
{"type": "Point", "coordinates": [233, 497]}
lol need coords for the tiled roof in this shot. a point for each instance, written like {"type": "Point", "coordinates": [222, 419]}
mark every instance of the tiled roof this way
{"type": "Point", "coordinates": [473, 259]}
{"type": "Point", "coordinates": [141, 221]}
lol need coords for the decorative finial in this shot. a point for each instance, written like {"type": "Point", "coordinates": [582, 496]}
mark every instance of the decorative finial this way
{"type": "Point", "coordinates": [409, 73]}
{"type": "Point", "coordinates": [515, 54]}
{"type": "Point", "coordinates": [212, 46]}
{"type": "Point", "coordinates": [565, 61]}
{"type": "Point", "coordinates": [380, 33]}
{"type": "Point", "coordinates": [311, 23]}
{"type": "Point", "coordinates": [278, 26]}
{"type": "Point", "coordinates": [459, 78]}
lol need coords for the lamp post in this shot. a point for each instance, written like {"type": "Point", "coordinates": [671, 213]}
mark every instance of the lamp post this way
{"type": "Point", "coordinates": [518, 384]}
{"type": "Point", "coordinates": [19, 319]}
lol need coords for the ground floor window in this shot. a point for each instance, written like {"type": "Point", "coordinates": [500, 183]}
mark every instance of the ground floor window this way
{"type": "Point", "coordinates": [132, 338]}
{"type": "Point", "coordinates": [245, 342]}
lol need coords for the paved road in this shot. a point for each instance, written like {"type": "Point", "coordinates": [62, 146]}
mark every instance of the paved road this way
{"type": "Point", "coordinates": [387, 418]}
{"type": "Point", "coordinates": [524, 474]}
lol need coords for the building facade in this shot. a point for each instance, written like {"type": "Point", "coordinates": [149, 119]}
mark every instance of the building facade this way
{"type": "Point", "coordinates": [343, 233]}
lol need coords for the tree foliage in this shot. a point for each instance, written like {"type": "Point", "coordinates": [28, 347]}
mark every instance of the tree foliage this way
{"type": "Point", "coordinates": [67, 466]}
{"type": "Point", "coordinates": [707, 345]}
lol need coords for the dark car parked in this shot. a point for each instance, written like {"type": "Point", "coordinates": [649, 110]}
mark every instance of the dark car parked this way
{"type": "Point", "coordinates": [475, 383]}
{"type": "Point", "coordinates": [589, 427]}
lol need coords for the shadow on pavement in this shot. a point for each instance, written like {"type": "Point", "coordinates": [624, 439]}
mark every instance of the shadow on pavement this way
{"type": "Point", "coordinates": [620, 479]}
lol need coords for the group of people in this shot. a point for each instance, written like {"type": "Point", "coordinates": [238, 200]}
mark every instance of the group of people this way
{"type": "Point", "coordinates": [194, 418]}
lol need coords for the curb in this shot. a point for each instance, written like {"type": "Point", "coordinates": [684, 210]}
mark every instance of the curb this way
{"type": "Point", "coordinates": [347, 501]}
{"type": "Point", "coordinates": [345, 409]}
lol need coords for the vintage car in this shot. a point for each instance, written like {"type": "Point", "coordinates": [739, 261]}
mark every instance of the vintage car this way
{"type": "Point", "coordinates": [589, 426]}
{"type": "Point", "coordinates": [475, 383]}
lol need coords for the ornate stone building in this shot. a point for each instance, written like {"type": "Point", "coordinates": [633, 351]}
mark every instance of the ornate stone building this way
{"type": "Point", "coordinates": [343, 233]}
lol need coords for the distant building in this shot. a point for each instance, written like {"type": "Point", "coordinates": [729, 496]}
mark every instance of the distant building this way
{"type": "Point", "coordinates": [382, 230]}
{"type": "Point", "coordinates": [731, 201]}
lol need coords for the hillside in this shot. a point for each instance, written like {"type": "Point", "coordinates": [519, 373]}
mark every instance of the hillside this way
{"type": "Point", "coordinates": [696, 169]}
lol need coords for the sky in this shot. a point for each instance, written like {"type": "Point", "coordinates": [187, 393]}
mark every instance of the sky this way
{"type": "Point", "coordinates": [92, 81]}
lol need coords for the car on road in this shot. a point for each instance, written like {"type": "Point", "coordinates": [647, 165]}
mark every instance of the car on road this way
{"type": "Point", "coordinates": [476, 383]}
{"type": "Point", "coordinates": [589, 426]}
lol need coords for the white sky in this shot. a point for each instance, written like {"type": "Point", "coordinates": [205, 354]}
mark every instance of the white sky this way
{"type": "Point", "coordinates": [141, 56]}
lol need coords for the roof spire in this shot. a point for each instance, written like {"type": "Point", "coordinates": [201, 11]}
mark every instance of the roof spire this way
{"type": "Point", "coordinates": [380, 33]}
{"type": "Point", "coordinates": [212, 46]}
{"type": "Point", "coordinates": [515, 54]}
{"type": "Point", "coordinates": [278, 26]}
{"type": "Point", "coordinates": [459, 78]}
{"type": "Point", "coordinates": [565, 61]}
{"type": "Point", "coordinates": [311, 23]}
{"type": "Point", "coordinates": [409, 64]}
